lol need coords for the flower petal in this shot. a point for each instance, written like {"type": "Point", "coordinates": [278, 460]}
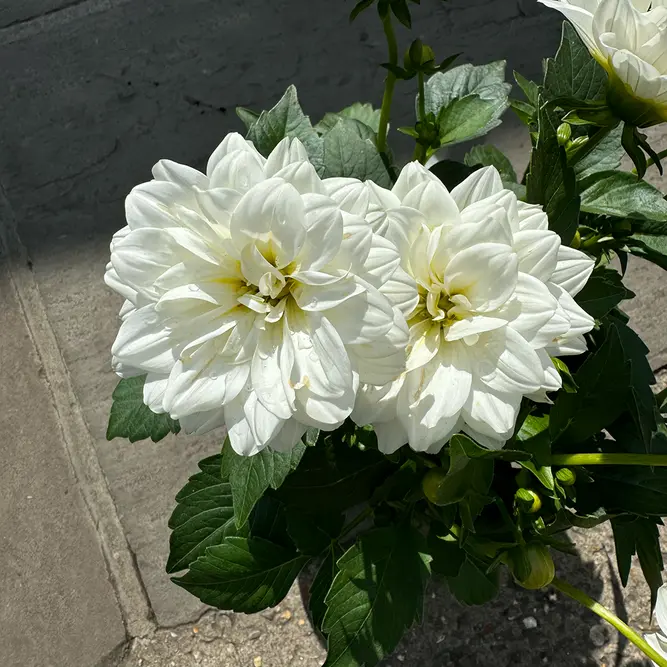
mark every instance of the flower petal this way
{"type": "Point", "coordinates": [537, 252]}
{"type": "Point", "coordinates": [166, 170]}
{"type": "Point", "coordinates": [491, 413]}
{"type": "Point", "coordinates": [573, 270]}
{"type": "Point", "coordinates": [479, 185]}
{"type": "Point", "coordinates": [270, 215]}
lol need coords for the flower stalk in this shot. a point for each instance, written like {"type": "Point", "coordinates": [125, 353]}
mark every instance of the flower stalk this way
{"type": "Point", "coordinates": [420, 149]}
{"type": "Point", "coordinates": [611, 618]}
{"type": "Point", "coordinates": [390, 83]}
{"type": "Point", "coordinates": [601, 459]}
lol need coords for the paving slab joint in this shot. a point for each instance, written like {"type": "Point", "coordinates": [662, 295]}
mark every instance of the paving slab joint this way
{"type": "Point", "coordinates": [137, 614]}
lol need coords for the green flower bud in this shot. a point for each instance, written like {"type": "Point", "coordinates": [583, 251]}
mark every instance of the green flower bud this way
{"type": "Point", "coordinates": [432, 483]}
{"type": "Point", "coordinates": [576, 241]}
{"type": "Point", "coordinates": [532, 566]}
{"type": "Point", "coordinates": [528, 501]}
{"type": "Point", "coordinates": [577, 143]}
{"type": "Point", "coordinates": [564, 134]}
{"type": "Point", "coordinates": [566, 477]}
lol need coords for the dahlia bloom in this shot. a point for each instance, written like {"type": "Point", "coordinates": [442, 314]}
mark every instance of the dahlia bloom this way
{"type": "Point", "coordinates": [658, 640]}
{"type": "Point", "coordinates": [252, 299]}
{"type": "Point", "coordinates": [495, 302]}
{"type": "Point", "coordinates": [629, 39]}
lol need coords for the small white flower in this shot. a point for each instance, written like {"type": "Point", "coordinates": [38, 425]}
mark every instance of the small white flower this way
{"type": "Point", "coordinates": [658, 640]}
{"type": "Point", "coordinates": [494, 302]}
{"type": "Point", "coordinates": [629, 39]}
{"type": "Point", "coordinates": [253, 300]}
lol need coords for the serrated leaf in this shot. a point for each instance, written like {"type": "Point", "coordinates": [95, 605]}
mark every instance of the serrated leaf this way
{"type": "Point", "coordinates": [203, 517]}
{"type": "Point", "coordinates": [286, 119]}
{"type": "Point", "coordinates": [534, 438]}
{"type": "Point", "coordinates": [243, 574]}
{"type": "Point", "coordinates": [649, 247]}
{"type": "Point", "coordinates": [603, 381]}
{"type": "Point", "coordinates": [622, 194]}
{"type": "Point", "coordinates": [472, 585]}
{"type": "Point", "coordinates": [321, 585]}
{"type": "Point", "coordinates": [376, 596]}
{"type": "Point", "coordinates": [551, 181]}
{"type": "Point", "coordinates": [131, 419]}
{"type": "Point", "coordinates": [574, 73]}
{"type": "Point", "coordinates": [468, 100]}
{"type": "Point", "coordinates": [603, 291]}
{"type": "Point", "coordinates": [334, 478]}
{"type": "Point", "coordinates": [363, 112]}
{"type": "Point", "coordinates": [269, 521]}
{"type": "Point", "coordinates": [606, 155]}
{"type": "Point", "coordinates": [641, 537]}
{"type": "Point", "coordinates": [314, 534]}
{"type": "Point", "coordinates": [251, 476]}
{"type": "Point", "coordinates": [490, 156]}
{"type": "Point", "coordinates": [350, 151]}
{"type": "Point", "coordinates": [530, 89]}
{"type": "Point", "coordinates": [248, 116]}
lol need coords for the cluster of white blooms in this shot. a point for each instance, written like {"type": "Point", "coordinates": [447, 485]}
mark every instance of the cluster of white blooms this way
{"type": "Point", "coordinates": [629, 39]}
{"type": "Point", "coordinates": [268, 300]}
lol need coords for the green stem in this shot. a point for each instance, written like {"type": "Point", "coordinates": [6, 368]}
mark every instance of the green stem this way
{"type": "Point", "coordinates": [611, 618]}
{"type": "Point", "coordinates": [609, 460]}
{"type": "Point", "coordinates": [358, 520]}
{"type": "Point", "coordinates": [389, 84]}
{"type": "Point", "coordinates": [420, 149]}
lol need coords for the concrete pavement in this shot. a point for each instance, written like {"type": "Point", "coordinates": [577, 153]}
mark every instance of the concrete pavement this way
{"type": "Point", "coordinates": [93, 93]}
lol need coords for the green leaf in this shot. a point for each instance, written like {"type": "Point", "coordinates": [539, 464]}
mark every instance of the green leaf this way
{"type": "Point", "coordinates": [314, 534]}
{"type": "Point", "coordinates": [401, 12]}
{"type": "Point", "coordinates": [651, 248]}
{"type": "Point", "coordinates": [637, 490]}
{"type": "Point", "coordinates": [133, 420]}
{"type": "Point", "coordinates": [622, 194]}
{"type": "Point", "coordinates": [606, 155]}
{"type": "Point", "coordinates": [639, 536]}
{"type": "Point", "coordinates": [603, 291]}
{"type": "Point", "coordinates": [551, 181]}
{"type": "Point", "coordinates": [360, 7]}
{"type": "Point", "coordinates": [530, 89]}
{"type": "Point", "coordinates": [363, 112]}
{"type": "Point", "coordinates": [462, 445]}
{"type": "Point", "coordinates": [447, 555]}
{"type": "Point", "coordinates": [376, 596]}
{"type": "Point", "coordinates": [269, 521]}
{"type": "Point", "coordinates": [472, 585]}
{"type": "Point", "coordinates": [243, 574]}
{"type": "Point", "coordinates": [574, 73]}
{"type": "Point", "coordinates": [286, 119]}
{"type": "Point", "coordinates": [251, 476]}
{"type": "Point", "coordinates": [334, 478]}
{"type": "Point", "coordinates": [321, 585]}
{"type": "Point", "coordinates": [350, 151]}
{"type": "Point", "coordinates": [248, 116]}
{"type": "Point", "coordinates": [534, 438]}
{"type": "Point", "coordinates": [203, 517]}
{"type": "Point", "coordinates": [490, 156]}
{"type": "Point", "coordinates": [603, 382]}
{"type": "Point", "coordinates": [468, 100]}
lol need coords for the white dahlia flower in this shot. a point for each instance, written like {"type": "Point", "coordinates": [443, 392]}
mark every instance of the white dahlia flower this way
{"type": "Point", "coordinates": [494, 303]}
{"type": "Point", "coordinates": [253, 300]}
{"type": "Point", "coordinates": [629, 39]}
{"type": "Point", "coordinates": [658, 640]}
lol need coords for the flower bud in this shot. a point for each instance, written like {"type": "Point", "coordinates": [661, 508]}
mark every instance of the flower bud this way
{"type": "Point", "coordinates": [532, 566]}
{"type": "Point", "coordinates": [528, 501]}
{"type": "Point", "coordinates": [576, 241]}
{"type": "Point", "coordinates": [564, 134]}
{"type": "Point", "coordinates": [566, 477]}
{"type": "Point", "coordinates": [577, 143]}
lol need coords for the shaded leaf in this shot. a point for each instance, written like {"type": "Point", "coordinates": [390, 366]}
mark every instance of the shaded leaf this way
{"type": "Point", "coordinates": [251, 476]}
{"type": "Point", "coordinates": [472, 585]}
{"type": "Point", "coordinates": [243, 574]}
{"type": "Point", "coordinates": [131, 419]}
{"type": "Point", "coordinates": [286, 119]}
{"type": "Point", "coordinates": [203, 517]}
{"type": "Point", "coordinates": [322, 585]}
{"type": "Point", "coordinates": [376, 596]}
{"type": "Point", "coordinates": [603, 291]}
